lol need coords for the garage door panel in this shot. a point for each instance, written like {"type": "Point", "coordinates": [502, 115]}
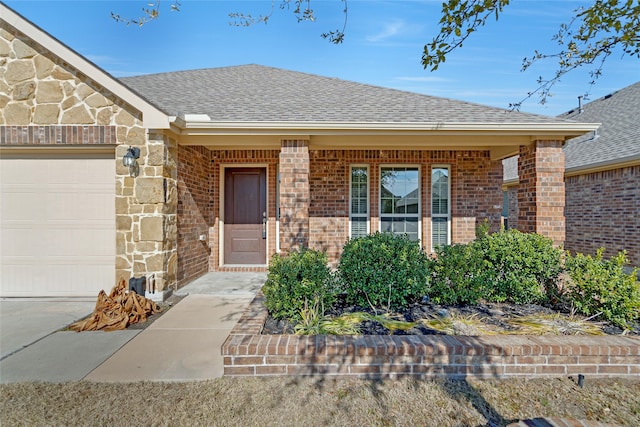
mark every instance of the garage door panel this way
{"type": "Point", "coordinates": [58, 226]}
{"type": "Point", "coordinates": [66, 240]}
{"type": "Point", "coordinates": [22, 278]}
{"type": "Point", "coordinates": [15, 197]}
{"type": "Point", "coordinates": [20, 242]}
{"type": "Point", "coordinates": [61, 205]}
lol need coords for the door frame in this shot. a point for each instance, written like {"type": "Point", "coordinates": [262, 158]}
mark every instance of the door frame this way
{"type": "Point", "coordinates": [221, 221]}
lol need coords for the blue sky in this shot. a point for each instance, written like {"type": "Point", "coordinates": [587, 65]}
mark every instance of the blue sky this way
{"type": "Point", "coordinates": [383, 45]}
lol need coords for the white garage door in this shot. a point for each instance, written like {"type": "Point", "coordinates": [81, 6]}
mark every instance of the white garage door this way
{"type": "Point", "coordinates": [57, 220]}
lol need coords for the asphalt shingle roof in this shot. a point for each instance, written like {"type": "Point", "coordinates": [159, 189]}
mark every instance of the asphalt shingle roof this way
{"type": "Point", "coordinates": [254, 93]}
{"type": "Point", "coordinates": [617, 139]}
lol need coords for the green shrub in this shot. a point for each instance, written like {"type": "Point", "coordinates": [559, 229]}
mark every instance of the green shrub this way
{"type": "Point", "coordinates": [299, 278]}
{"type": "Point", "coordinates": [597, 285]}
{"type": "Point", "coordinates": [383, 271]}
{"type": "Point", "coordinates": [507, 266]}
{"type": "Point", "coordinates": [518, 267]}
{"type": "Point", "coordinates": [456, 275]}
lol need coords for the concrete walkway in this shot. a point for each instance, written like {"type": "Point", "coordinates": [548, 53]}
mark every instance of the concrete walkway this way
{"type": "Point", "coordinates": [182, 345]}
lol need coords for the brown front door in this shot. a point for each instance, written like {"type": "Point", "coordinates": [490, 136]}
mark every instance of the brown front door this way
{"type": "Point", "coordinates": [245, 214]}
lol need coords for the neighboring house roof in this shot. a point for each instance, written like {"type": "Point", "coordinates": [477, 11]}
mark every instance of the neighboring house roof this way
{"type": "Point", "coordinates": [152, 116]}
{"type": "Point", "coordinates": [615, 143]}
{"type": "Point", "coordinates": [259, 94]}
{"type": "Point", "coordinates": [618, 138]}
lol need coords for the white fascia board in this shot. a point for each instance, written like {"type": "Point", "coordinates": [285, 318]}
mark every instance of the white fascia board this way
{"type": "Point", "coordinates": [566, 129]}
{"type": "Point", "coordinates": [152, 116]}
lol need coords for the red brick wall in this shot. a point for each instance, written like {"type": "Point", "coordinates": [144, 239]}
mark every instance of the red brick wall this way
{"type": "Point", "coordinates": [603, 210]}
{"type": "Point", "coordinates": [57, 134]}
{"type": "Point", "coordinates": [329, 208]}
{"type": "Point", "coordinates": [194, 211]}
{"type": "Point", "coordinates": [294, 194]}
{"type": "Point", "coordinates": [477, 185]}
{"type": "Point", "coordinates": [476, 191]}
{"type": "Point", "coordinates": [541, 194]}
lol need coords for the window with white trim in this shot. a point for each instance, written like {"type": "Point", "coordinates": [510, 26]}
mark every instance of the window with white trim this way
{"type": "Point", "coordinates": [359, 201]}
{"type": "Point", "coordinates": [400, 200]}
{"type": "Point", "coordinates": [440, 207]}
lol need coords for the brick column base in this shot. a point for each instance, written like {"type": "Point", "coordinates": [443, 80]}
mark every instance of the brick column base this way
{"type": "Point", "coordinates": [294, 194]}
{"type": "Point", "coordinates": [541, 197]}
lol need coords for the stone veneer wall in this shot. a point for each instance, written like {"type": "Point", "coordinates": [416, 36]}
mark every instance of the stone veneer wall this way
{"type": "Point", "coordinates": [603, 210]}
{"type": "Point", "coordinates": [46, 102]}
{"type": "Point", "coordinates": [39, 89]}
{"type": "Point", "coordinates": [146, 214]}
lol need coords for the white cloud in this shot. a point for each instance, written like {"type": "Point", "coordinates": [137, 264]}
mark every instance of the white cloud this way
{"type": "Point", "coordinates": [391, 29]}
{"type": "Point", "coordinates": [429, 79]}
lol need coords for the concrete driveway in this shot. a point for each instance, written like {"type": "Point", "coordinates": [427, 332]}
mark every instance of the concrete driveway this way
{"type": "Point", "coordinates": [24, 322]}
{"type": "Point", "coordinates": [184, 344]}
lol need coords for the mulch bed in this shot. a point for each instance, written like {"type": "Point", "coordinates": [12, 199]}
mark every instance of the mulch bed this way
{"type": "Point", "coordinates": [492, 316]}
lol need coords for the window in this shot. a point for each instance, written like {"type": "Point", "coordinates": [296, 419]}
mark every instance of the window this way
{"type": "Point", "coordinates": [440, 209]}
{"type": "Point", "coordinates": [359, 198]}
{"type": "Point", "coordinates": [505, 209]}
{"type": "Point", "coordinates": [400, 201]}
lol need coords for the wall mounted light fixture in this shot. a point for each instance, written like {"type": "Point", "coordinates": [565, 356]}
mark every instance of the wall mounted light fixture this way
{"type": "Point", "coordinates": [130, 160]}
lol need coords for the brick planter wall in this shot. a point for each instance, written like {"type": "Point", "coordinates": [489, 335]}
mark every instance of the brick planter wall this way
{"type": "Point", "coordinates": [248, 353]}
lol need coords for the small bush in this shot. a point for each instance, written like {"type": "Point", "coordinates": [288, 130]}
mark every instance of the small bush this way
{"type": "Point", "coordinates": [597, 285]}
{"type": "Point", "coordinates": [300, 278]}
{"type": "Point", "coordinates": [383, 271]}
{"type": "Point", "coordinates": [456, 275]}
{"type": "Point", "coordinates": [507, 266]}
{"type": "Point", "coordinates": [518, 267]}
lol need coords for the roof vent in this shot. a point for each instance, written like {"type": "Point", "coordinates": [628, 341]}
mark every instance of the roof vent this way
{"type": "Point", "coordinates": [580, 110]}
{"type": "Point", "coordinates": [196, 117]}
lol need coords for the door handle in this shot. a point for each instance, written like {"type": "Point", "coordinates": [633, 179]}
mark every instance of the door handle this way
{"type": "Point", "coordinates": [264, 225]}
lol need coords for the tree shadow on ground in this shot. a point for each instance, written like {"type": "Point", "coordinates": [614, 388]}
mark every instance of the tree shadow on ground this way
{"type": "Point", "coordinates": [462, 391]}
{"type": "Point", "coordinates": [459, 390]}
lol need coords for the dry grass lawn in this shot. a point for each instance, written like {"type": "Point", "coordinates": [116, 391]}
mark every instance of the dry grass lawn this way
{"type": "Point", "coordinates": [318, 402]}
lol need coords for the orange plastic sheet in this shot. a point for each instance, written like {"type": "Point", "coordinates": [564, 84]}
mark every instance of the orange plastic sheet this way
{"type": "Point", "coordinates": [117, 310]}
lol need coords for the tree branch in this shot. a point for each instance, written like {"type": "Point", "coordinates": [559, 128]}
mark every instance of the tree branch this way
{"type": "Point", "coordinates": [150, 13]}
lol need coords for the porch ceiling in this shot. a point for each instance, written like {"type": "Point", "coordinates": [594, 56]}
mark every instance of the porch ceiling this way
{"type": "Point", "coordinates": [503, 140]}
